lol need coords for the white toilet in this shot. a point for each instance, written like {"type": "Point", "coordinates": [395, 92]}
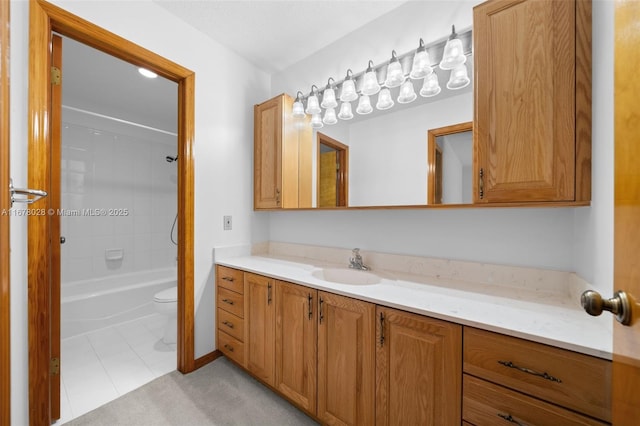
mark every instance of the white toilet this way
{"type": "Point", "coordinates": [166, 303]}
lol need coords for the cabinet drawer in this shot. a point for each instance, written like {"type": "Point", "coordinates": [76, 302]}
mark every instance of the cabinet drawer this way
{"type": "Point", "coordinates": [576, 381]}
{"type": "Point", "coordinates": [230, 324]}
{"type": "Point", "coordinates": [231, 347]}
{"type": "Point", "coordinates": [485, 403]}
{"type": "Point", "coordinates": [231, 302]}
{"type": "Point", "coordinates": [230, 278]}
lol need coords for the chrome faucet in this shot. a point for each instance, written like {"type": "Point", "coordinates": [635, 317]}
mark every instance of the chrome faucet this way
{"type": "Point", "coordinates": [356, 261]}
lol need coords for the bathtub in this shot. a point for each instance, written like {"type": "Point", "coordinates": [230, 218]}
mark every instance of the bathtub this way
{"type": "Point", "coordinates": [92, 304]}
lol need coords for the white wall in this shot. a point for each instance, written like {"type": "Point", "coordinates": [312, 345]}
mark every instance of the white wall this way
{"type": "Point", "coordinates": [452, 182]}
{"type": "Point", "coordinates": [113, 169]}
{"type": "Point", "coordinates": [227, 87]}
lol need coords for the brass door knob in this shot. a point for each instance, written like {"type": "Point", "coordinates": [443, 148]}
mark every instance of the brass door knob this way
{"type": "Point", "coordinates": [618, 305]}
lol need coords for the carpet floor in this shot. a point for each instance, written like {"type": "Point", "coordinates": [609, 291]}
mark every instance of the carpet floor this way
{"type": "Point", "coordinates": [219, 393]}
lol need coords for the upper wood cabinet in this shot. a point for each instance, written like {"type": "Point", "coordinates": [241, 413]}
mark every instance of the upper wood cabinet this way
{"type": "Point", "coordinates": [282, 156]}
{"type": "Point", "coordinates": [532, 101]}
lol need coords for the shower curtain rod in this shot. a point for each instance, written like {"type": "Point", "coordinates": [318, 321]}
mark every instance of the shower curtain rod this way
{"type": "Point", "coordinates": [119, 120]}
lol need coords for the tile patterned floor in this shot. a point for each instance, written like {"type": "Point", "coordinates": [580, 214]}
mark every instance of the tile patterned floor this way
{"type": "Point", "coordinates": [102, 365]}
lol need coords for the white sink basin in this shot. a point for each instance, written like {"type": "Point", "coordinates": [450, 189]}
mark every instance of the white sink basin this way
{"type": "Point", "coordinates": [347, 276]}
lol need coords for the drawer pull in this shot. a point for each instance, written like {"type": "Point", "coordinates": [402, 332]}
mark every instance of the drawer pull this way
{"type": "Point", "coordinates": [230, 302]}
{"type": "Point", "coordinates": [228, 279]}
{"type": "Point", "coordinates": [228, 347]}
{"type": "Point", "coordinates": [228, 324]}
{"type": "Point", "coordinates": [510, 419]}
{"type": "Point", "coordinates": [544, 375]}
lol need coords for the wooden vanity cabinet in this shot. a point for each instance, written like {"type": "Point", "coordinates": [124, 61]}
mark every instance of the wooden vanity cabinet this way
{"type": "Point", "coordinates": [261, 321]}
{"type": "Point", "coordinates": [346, 360]}
{"type": "Point", "coordinates": [282, 156]}
{"type": "Point", "coordinates": [532, 124]}
{"type": "Point", "coordinates": [531, 382]}
{"type": "Point", "coordinates": [230, 316]}
{"type": "Point", "coordinates": [296, 344]}
{"type": "Point", "coordinates": [418, 369]}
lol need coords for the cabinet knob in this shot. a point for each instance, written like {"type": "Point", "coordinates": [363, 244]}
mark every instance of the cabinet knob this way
{"type": "Point", "coordinates": [618, 305]}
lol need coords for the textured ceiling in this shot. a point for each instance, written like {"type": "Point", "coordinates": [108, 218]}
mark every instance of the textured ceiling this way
{"type": "Point", "coordinates": [276, 34]}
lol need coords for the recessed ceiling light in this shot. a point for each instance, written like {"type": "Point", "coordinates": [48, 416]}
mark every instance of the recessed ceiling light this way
{"type": "Point", "coordinates": [145, 72]}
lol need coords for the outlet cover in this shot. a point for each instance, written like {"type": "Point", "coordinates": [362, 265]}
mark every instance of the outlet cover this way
{"type": "Point", "coordinates": [227, 223]}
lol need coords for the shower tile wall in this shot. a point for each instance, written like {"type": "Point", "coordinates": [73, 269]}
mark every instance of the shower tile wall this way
{"type": "Point", "coordinates": [117, 173]}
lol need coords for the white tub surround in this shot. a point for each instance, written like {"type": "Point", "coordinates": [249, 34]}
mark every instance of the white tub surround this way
{"type": "Point", "coordinates": [534, 304]}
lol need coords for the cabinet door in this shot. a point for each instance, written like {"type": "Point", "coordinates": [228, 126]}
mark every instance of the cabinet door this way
{"type": "Point", "coordinates": [346, 360]}
{"type": "Point", "coordinates": [260, 336]}
{"type": "Point", "coordinates": [418, 368]}
{"type": "Point", "coordinates": [296, 339]}
{"type": "Point", "coordinates": [267, 156]}
{"type": "Point", "coordinates": [525, 100]}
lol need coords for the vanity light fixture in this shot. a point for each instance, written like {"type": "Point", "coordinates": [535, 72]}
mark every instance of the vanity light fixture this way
{"type": "Point", "coordinates": [407, 93]}
{"type": "Point", "coordinates": [147, 73]}
{"type": "Point", "coordinates": [430, 86]}
{"type": "Point", "coordinates": [298, 107]}
{"type": "Point", "coordinates": [348, 93]}
{"type": "Point", "coordinates": [453, 55]}
{"type": "Point", "coordinates": [384, 99]}
{"type": "Point", "coordinates": [313, 107]}
{"type": "Point", "coordinates": [421, 63]}
{"type": "Point", "coordinates": [316, 121]}
{"type": "Point", "coordinates": [458, 78]}
{"type": "Point", "coordinates": [345, 111]}
{"type": "Point", "coordinates": [370, 85]}
{"type": "Point", "coordinates": [395, 76]}
{"type": "Point", "coordinates": [364, 105]}
{"type": "Point", "coordinates": [329, 116]}
{"type": "Point", "coordinates": [329, 95]}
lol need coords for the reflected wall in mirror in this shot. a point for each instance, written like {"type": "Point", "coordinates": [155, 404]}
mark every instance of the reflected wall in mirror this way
{"type": "Point", "coordinates": [450, 168]}
{"type": "Point", "coordinates": [333, 172]}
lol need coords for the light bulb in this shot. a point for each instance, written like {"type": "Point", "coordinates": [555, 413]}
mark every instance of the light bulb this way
{"type": "Point", "coordinates": [330, 116]}
{"type": "Point", "coordinates": [395, 76]}
{"type": "Point", "coordinates": [298, 108]}
{"type": "Point", "coordinates": [348, 93]}
{"type": "Point", "coordinates": [364, 105]}
{"type": "Point", "coordinates": [421, 63]}
{"type": "Point", "coordinates": [316, 121]}
{"type": "Point", "coordinates": [384, 99]}
{"type": "Point", "coordinates": [370, 85]}
{"type": "Point", "coordinates": [430, 86]}
{"type": "Point", "coordinates": [313, 106]}
{"type": "Point", "coordinates": [345, 111]}
{"type": "Point", "coordinates": [407, 93]}
{"type": "Point", "coordinates": [453, 55]}
{"type": "Point", "coordinates": [329, 96]}
{"type": "Point", "coordinates": [458, 78]}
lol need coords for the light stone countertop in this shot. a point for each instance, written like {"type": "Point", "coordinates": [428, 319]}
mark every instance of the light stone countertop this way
{"type": "Point", "coordinates": [515, 311]}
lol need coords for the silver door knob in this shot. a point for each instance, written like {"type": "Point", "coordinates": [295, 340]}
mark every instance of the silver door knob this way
{"type": "Point", "coordinates": [618, 305]}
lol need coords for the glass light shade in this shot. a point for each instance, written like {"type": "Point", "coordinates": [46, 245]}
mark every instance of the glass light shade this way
{"type": "Point", "coordinates": [407, 93]}
{"type": "Point", "coordinates": [330, 116]}
{"type": "Point", "coordinates": [348, 93]}
{"type": "Point", "coordinates": [313, 107]}
{"type": "Point", "coordinates": [453, 55]}
{"type": "Point", "coordinates": [370, 85]}
{"type": "Point", "coordinates": [345, 111]}
{"type": "Point", "coordinates": [298, 110]}
{"type": "Point", "coordinates": [395, 77]}
{"type": "Point", "coordinates": [384, 99]}
{"type": "Point", "coordinates": [364, 105]}
{"type": "Point", "coordinates": [430, 86]}
{"type": "Point", "coordinates": [421, 65]}
{"type": "Point", "coordinates": [329, 99]}
{"type": "Point", "coordinates": [316, 121]}
{"type": "Point", "coordinates": [458, 78]}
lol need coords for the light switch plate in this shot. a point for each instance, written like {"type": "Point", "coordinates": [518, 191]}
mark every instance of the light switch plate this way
{"type": "Point", "coordinates": [226, 223]}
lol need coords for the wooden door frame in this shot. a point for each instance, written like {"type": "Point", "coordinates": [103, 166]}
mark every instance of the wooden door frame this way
{"type": "Point", "coordinates": [5, 205]}
{"type": "Point", "coordinates": [343, 159]}
{"type": "Point", "coordinates": [43, 19]}
{"type": "Point", "coordinates": [432, 134]}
